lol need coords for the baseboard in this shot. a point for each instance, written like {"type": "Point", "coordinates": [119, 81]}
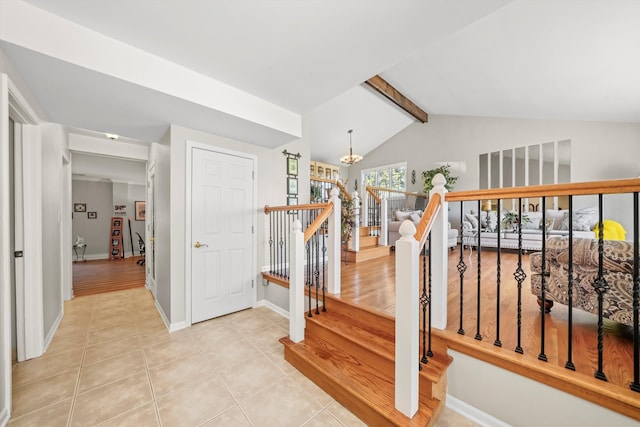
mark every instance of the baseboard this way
{"type": "Point", "coordinates": [94, 257]}
{"type": "Point", "coordinates": [264, 303]}
{"type": "Point", "coordinates": [4, 417]}
{"type": "Point", "coordinates": [473, 413]}
{"type": "Point", "coordinates": [171, 327]}
{"type": "Point", "coordinates": [52, 331]}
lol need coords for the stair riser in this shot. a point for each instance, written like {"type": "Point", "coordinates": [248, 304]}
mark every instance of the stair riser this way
{"type": "Point", "coordinates": [367, 254]}
{"type": "Point", "coordinates": [371, 356]}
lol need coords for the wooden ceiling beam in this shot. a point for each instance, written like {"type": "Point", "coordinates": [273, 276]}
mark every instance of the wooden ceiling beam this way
{"type": "Point", "coordinates": [391, 93]}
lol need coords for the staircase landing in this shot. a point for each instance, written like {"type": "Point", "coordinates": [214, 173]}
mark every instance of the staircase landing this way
{"type": "Point", "coordinates": [369, 248]}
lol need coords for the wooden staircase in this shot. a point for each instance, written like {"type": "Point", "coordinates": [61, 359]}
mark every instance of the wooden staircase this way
{"type": "Point", "coordinates": [349, 352]}
{"type": "Point", "coordinates": [369, 248]}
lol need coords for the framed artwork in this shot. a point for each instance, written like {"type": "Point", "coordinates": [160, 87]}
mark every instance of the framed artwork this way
{"type": "Point", "coordinates": [119, 209]}
{"type": "Point", "coordinates": [292, 166]}
{"type": "Point", "coordinates": [292, 186]}
{"type": "Point", "coordinates": [292, 201]}
{"type": "Point", "coordinates": [79, 207]}
{"type": "Point", "coordinates": [92, 215]}
{"type": "Point", "coordinates": [141, 210]}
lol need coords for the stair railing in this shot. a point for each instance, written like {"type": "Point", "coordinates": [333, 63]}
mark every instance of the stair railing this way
{"type": "Point", "coordinates": [410, 299]}
{"type": "Point", "coordinates": [321, 189]}
{"type": "Point", "coordinates": [314, 264]}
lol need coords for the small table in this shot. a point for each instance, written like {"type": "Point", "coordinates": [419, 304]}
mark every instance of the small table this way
{"type": "Point", "coordinates": [82, 246]}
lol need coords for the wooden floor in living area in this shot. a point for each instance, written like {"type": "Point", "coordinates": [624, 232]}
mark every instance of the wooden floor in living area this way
{"type": "Point", "coordinates": [372, 284]}
{"type": "Point", "coordinates": [99, 276]}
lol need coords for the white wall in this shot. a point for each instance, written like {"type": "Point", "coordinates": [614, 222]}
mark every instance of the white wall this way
{"type": "Point", "coordinates": [520, 401]}
{"type": "Point", "coordinates": [97, 196]}
{"type": "Point", "coordinates": [599, 150]}
{"type": "Point", "coordinates": [54, 146]}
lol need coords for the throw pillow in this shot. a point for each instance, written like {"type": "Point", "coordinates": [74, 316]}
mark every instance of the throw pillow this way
{"type": "Point", "coordinates": [401, 216]}
{"type": "Point", "coordinates": [584, 219]}
{"type": "Point", "coordinates": [473, 220]}
{"type": "Point", "coordinates": [558, 217]}
{"type": "Point", "coordinates": [534, 221]}
{"type": "Point", "coordinates": [415, 217]}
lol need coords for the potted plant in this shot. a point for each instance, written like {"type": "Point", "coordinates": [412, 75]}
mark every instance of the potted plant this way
{"type": "Point", "coordinates": [445, 170]}
{"type": "Point", "coordinates": [510, 221]}
{"type": "Point", "coordinates": [347, 216]}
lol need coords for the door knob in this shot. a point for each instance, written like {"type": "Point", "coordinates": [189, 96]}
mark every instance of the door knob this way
{"type": "Point", "coordinates": [152, 239]}
{"type": "Point", "coordinates": [198, 245]}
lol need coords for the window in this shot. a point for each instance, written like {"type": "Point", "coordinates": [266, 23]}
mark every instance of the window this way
{"type": "Point", "coordinates": [390, 176]}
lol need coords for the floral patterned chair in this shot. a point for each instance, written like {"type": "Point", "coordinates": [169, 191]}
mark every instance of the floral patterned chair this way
{"type": "Point", "coordinates": [617, 268]}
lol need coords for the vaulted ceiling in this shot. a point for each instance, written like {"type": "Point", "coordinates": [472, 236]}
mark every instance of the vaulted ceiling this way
{"type": "Point", "coordinates": [252, 69]}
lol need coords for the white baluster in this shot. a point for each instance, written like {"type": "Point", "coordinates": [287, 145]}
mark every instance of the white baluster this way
{"type": "Point", "coordinates": [334, 244]}
{"type": "Point", "coordinates": [296, 283]}
{"type": "Point", "coordinates": [439, 258]}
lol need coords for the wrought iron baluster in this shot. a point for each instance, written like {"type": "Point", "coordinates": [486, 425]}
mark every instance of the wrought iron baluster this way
{"type": "Point", "coordinates": [324, 260]}
{"type": "Point", "coordinates": [635, 385]}
{"type": "Point", "coordinates": [429, 351]}
{"type": "Point", "coordinates": [479, 296]}
{"type": "Point", "coordinates": [316, 272]}
{"type": "Point", "coordinates": [309, 275]}
{"type": "Point", "coordinates": [462, 267]}
{"type": "Point", "coordinates": [497, 342]}
{"type": "Point", "coordinates": [424, 300]}
{"type": "Point", "coordinates": [601, 286]}
{"type": "Point", "coordinates": [280, 244]}
{"type": "Point", "coordinates": [569, 364]}
{"type": "Point", "coordinates": [519, 275]}
{"type": "Point", "coordinates": [543, 282]}
{"type": "Point", "coordinates": [271, 252]}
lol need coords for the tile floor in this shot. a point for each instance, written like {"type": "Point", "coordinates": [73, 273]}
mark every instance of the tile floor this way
{"type": "Point", "coordinates": [113, 363]}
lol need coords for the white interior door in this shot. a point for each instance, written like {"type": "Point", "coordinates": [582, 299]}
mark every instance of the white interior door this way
{"type": "Point", "coordinates": [221, 238]}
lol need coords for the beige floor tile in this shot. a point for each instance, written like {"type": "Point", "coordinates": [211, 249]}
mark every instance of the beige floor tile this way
{"type": "Point", "coordinates": [61, 344]}
{"type": "Point", "coordinates": [103, 403]}
{"type": "Point", "coordinates": [110, 322]}
{"type": "Point", "coordinates": [179, 372]}
{"type": "Point", "coordinates": [107, 334]}
{"type": "Point", "coordinates": [232, 417]}
{"type": "Point", "coordinates": [148, 323]}
{"type": "Point", "coordinates": [142, 416]}
{"type": "Point", "coordinates": [449, 418]}
{"type": "Point", "coordinates": [250, 376]}
{"type": "Point", "coordinates": [106, 349]}
{"type": "Point", "coordinates": [232, 352]}
{"type": "Point", "coordinates": [345, 416]}
{"type": "Point", "coordinates": [72, 328]}
{"type": "Point", "coordinates": [267, 337]}
{"type": "Point", "coordinates": [310, 387]}
{"type": "Point", "coordinates": [170, 350]}
{"type": "Point", "coordinates": [160, 335]}
{"type": "Point", "coordinates": [211, 339]}
{"type": "Point", "coordinates": [276, 354]}
{"type": "Point", "coordinates": [252, 321]}
{"type": "Point", "coordinates": [37, 395]}
{"type": "Point", "coordinates": [324, 419]}
{"type": "Point", "coordinates": [56, 415]}
{"type": "Point", "coordinates": [46, 366]}
{"type": "Point", "coordinates": [283, 404]}
{"type": "Point", "coordinates": [275, 317]}
{"type": "Point", "coordinates": [110, 370]}
{"type": "Point", "coordinates": [179, 407]}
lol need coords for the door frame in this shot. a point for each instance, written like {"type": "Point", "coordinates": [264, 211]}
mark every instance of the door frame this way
{"type": "Point", "coordinates": [189, 147]}
{"type": "Point", "coordinates": [149, 227]}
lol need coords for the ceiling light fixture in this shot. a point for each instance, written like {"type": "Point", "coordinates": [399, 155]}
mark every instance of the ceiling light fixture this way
{"type": "Point", "coordinates": [350, 158]}
{"type": "Point", "coordinates": [111, 136]}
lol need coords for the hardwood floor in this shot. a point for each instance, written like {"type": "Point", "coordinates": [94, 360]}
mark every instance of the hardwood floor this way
{"type": "Point", "coordinates": [99, 276]}
{"type": "Point", "coordinates": [372, 284]}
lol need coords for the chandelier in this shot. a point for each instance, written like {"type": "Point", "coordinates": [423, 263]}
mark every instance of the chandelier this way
{"type": "Point", "coordinates": [350, 158]}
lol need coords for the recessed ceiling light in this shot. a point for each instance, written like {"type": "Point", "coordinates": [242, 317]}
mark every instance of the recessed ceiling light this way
{"type": "Point", "coordinates": [112, 136]}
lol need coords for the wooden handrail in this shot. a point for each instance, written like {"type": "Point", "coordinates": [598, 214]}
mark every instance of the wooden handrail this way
{"type": "Point", "coordinates": [427, 220]}
{"type": "Point", "coordinates": [344, 190]}
{"type": "Point", "coordinates": [614, 186]}
{"type": "Point", "coordinates": [337, 183]}
{"type": "Point", "coordinates": [327, 180]}
{"type": "Point", "coordinates": [315, 225]}
{"type": "Point", "coordinates": [374, 195]}
{"type": "Point", "coordinates": [307, 207]}
{"type": "Point", "coordinates": [408, 193]}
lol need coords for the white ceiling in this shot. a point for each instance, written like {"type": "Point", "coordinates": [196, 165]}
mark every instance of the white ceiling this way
{"type": "Point", "coordinates": [570, 59]}
{"type": "Point", "coordinates": [90, 167]}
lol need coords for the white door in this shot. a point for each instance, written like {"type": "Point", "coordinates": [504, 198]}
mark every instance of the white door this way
{"type": "Point", "coordinates": [222, 264]}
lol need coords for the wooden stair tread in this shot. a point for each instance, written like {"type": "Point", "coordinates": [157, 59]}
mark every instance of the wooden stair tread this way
{"type": "Point", "coordinates": [355, 384]}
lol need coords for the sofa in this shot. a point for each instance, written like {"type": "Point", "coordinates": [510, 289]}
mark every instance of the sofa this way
{"type": "Point", "coordinates": [618, 273]}
{"type": "Point", "coordinates": [414, 216]}
{"type": "Point", "coordinates": [557, 224]}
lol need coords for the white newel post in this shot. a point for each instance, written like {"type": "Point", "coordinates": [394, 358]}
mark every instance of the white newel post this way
{"type": "Point", "coordinates": [365, 209]}
{"type": "Point", "coordinates": [384, 226]}
{"type": "Point", "coordinates": [439, 257]}
{"type": "Point", "coordinates": [334, 242]}
{"type": "Point", "coordinates": [296, 283]}
{"type": "Point", "coordinates": [407, 318]}
{"type": "Point", "coordinates": [355, 231]}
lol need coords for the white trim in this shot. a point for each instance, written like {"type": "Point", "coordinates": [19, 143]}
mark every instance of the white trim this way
{"type": "Point", "coordinates": [171, 327]}
{"type": "Point", "coordinates": [178, 325]}
{"type": "Point", "coordinates": [473, 413]}
{"type": "Point", "coordinates": [189, 146]}
{"type": "Point", "coordinates": [4, 417]}
{"type": "Point", "coordinates": [266, 303]}
{"type": "Point", "coordinates": [54, 329]}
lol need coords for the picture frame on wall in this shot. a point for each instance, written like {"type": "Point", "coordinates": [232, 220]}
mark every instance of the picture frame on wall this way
{"type": "Point", "coordinates": [292, 186]}
{"type": "Point", "coordinates": [292, 166]}
{"type": "Point", "coordinates": [141, 210]}
{"type": "Point", "coordinates": [92, 215]}
{"type": "Point", "coordinates": [292, 201]}
{"type": "Point", "coordinates": [79, 207]}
